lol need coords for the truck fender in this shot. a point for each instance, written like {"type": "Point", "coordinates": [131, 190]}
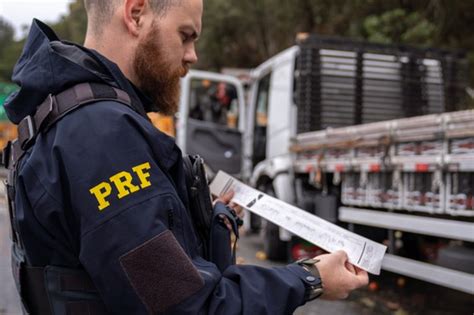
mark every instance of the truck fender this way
{"type": "Point", "coordinates": [282, 184]}
{"type": "Point", "coordinates": [270, 168]}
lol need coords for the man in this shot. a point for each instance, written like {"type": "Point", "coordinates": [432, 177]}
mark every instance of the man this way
{"type": "Point", "coordinates": [101, 193]}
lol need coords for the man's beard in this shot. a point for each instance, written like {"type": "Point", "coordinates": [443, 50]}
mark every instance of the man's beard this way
{"type": "Point", "coordinates": [156, 76]}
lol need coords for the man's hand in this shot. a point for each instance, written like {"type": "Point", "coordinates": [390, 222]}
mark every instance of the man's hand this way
{"type": "Point", "coordinates": [339, 277]}
{"type": "Point", "coordinates": [226, 199]}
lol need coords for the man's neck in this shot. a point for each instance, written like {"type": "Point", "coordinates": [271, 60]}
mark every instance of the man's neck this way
{"type": "Point", "coordinates": [111, 51]}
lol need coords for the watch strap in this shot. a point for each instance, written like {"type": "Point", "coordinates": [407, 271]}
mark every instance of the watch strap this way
{"type": "Point", "coordinates": [313, 283]}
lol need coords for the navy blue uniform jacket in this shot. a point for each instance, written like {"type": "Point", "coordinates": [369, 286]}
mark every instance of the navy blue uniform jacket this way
{"type": "Point", "coordinates": [104, 190]}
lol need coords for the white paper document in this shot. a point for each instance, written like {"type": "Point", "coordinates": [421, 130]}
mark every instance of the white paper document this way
{"type": "Point", "coordinates": [362, 252]}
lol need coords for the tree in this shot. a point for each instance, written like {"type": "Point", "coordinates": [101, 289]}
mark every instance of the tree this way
{"type": "Point", "coordinates": [72, 26]}
{"type": "Point", "coordinates": [7, 34]}
{"type": "Point", "coordinates": [245, 33]}
{"type": "Point", "coordinates": [399, 26]}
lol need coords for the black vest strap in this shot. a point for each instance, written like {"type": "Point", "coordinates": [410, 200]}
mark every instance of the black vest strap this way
{"type": "Point", "coordinates": [57, 106]}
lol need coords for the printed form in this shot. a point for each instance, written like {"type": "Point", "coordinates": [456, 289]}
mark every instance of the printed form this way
{"type": "Point", "coordinates": [362, 252]}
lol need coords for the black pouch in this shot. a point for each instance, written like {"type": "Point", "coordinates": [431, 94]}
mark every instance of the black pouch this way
{"type": "Point", "coordinates": [200, 205]}
{"type": "Point", "coordinates": [221, 249]}
{"type": "Point", "coordinates": [209, 221]}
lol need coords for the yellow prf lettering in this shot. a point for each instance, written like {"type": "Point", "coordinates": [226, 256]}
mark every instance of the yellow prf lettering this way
{"type": "Point", "coordinates": [142, 175]}
{"type": "Point", "coordinates": [100, 192]}
{"type": "Point", "coordinates": [122, 181]}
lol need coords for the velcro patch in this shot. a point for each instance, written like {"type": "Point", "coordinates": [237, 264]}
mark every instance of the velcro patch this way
{"type": "Point", "coordinates": [161, 273]}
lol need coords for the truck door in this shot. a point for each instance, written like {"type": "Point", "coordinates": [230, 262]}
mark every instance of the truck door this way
{"type": "Point", "coordinates": [211, 120]}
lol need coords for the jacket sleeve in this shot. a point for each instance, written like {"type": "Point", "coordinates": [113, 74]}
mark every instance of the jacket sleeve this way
{"type": "Point", "coordinates": [247, 289]}
{"type": "Point", "coordinates": [136, 238]}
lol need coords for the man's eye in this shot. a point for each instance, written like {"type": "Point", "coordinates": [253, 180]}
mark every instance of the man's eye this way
{"type": "Point", "coordinates": [185, 37]}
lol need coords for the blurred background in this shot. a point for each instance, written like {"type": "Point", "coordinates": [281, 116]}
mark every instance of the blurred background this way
{"type": "Point", "coordinates": [240, 35]}
{"type": "Point", "coordinates": [243, 34]}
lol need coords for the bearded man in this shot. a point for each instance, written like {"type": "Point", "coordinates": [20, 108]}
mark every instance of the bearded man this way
{"type": "Point", "coordinates": [100, 218]}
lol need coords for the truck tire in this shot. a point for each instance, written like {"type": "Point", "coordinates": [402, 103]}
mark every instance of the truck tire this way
{"type": "Point", "coordinates": [255, 223]}
{"type": "Point", "coordinates": [274, 248]}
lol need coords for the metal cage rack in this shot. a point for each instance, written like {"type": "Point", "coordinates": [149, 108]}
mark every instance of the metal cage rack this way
{"type": "Point", "coordinates": [423, 164]}
{"type": "Point", "coordinates": [342, 83]}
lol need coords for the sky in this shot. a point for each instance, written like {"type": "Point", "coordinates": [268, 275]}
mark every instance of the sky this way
{"type": "Point", "coordinates": [21, 12]}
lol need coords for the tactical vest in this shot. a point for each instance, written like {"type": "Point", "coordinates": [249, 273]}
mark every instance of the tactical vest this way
{"type": "Point", "coordinates": [52, 289]}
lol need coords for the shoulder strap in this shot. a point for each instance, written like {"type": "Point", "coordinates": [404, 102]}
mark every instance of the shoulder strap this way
{"type": "Point", "coordinates": [54, 108]}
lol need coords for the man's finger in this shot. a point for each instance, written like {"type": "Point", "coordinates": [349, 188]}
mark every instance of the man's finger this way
{"type": "Point", "coordinates": [342, 255]}
{"type": "Point", "coordinates": [351, 268]}
{"type": "Point", "coordinates": [357, 269]}
{"type": "Point", "coordinates": [241, 212]}
{"type": "Point", "coordinates": [227, 197]}
{"type": "Point", "coordinates": [238, 209]}
{"type": "Point", "coordinates": [363, 277]}
{"type": "Point", "coordinates": [224, 198]}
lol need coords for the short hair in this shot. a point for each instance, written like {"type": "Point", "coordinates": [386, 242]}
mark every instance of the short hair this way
{"type": "Point", "coordinates": [100, 11]}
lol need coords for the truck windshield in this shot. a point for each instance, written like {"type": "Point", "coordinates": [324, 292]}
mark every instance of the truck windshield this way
{"type": "Point", "coordinates": [215, 102]}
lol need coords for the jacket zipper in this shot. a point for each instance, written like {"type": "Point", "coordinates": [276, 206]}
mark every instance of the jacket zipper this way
{"type": "Point", "coordinates": [170, 219]}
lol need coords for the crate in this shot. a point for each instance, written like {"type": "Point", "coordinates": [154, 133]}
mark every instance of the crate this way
{"type": "Point", "coordinates": [421, 193]}
{"type": "Point", "coordinates": [462, 146]}
{"type": "Point", "coordinates": [384, 190]}
{"type": "Point", "coordinates": [353, 190]}
{"type": "Point", "coordinates": [371, 189]}
{"type": "Point", "coordinates": [370, 152]}
{"type": "Point", "coordinates": [460, 193]}
{"type": "Point", "coordinates": [420, 148]}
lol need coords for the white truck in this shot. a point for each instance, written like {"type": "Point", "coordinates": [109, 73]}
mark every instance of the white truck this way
{"type": "Point", "coordinates": [324, 128]}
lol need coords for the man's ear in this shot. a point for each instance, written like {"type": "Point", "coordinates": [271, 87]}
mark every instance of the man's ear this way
{"type": "Point", "coordinates": [133, 15]}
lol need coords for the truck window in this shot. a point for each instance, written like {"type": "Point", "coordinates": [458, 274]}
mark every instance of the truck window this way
{"type": "Point", "coordinates": [215, 102]}
{"type": "Point", "coordinates": [261, 117]}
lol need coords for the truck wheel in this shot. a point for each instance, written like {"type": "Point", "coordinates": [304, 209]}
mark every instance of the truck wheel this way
{"type": "Point", "coordinates": [255, 223]}
{"type": "Point", "coordinates": [274, 248]}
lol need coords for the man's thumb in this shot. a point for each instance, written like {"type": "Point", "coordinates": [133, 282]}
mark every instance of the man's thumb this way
{"type": "Point", "coordinates": [341, 255]}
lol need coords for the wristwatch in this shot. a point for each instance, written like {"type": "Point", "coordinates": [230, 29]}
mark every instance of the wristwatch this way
{"type": "Point", "coordinates": [314, 288]}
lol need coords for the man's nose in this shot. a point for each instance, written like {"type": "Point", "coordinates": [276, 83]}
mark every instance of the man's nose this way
{"type": "Point", "coordinates": [190, 56]}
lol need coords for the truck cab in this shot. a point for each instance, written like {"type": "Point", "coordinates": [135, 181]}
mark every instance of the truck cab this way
{"type": "Point", "coordinates": [271, 117]}
{"type": "Point", "coordinates": [210, 121]}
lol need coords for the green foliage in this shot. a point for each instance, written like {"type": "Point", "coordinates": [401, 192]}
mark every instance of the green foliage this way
{"type": "Point", "coordinates": [6, 35]}
{"type": "Point", "coordinates": [7, 44]}
{"type": "Point", "coordinates": [5, 90]}
{"type": "Point", "coordinates": [399, 26]}
{"type": "Point", "coordinates": [8, 59]}
{"type": "Point", "coordinates": [246, 32]}
{"type": "Point", "coordinates": [72, 27]}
